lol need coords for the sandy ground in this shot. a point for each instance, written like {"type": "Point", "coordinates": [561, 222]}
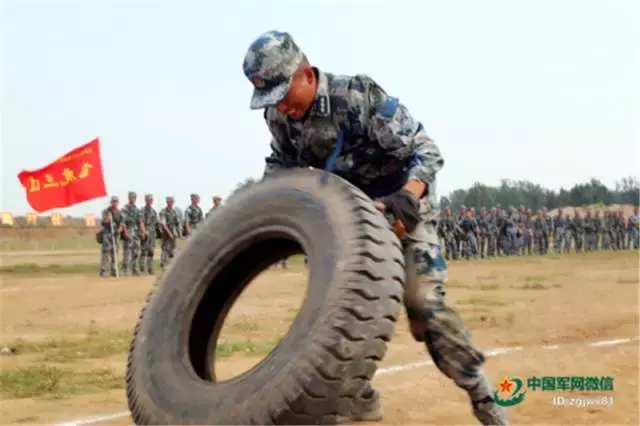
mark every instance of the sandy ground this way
{"type": "Point", "coordinates": [514, 302]}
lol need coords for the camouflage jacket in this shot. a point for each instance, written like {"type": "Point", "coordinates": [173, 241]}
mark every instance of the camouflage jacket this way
{"type": "Point", "coordinates": [149, 218]}
{"type": "Point", "coordinates": [170, 218]}
{"type": "Point", "coordinates": [193, 215]}
{"type": "Point", "coordinates": [131, 218]}
{"type": "Point", "coordinates": [376, 143]}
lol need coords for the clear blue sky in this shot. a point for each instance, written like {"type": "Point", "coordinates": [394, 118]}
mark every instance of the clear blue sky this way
{"type": "Point", "coordinates": [542, 90]}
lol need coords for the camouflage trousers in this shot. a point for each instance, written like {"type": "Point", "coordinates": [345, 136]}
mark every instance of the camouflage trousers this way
{"type": "Point", "coordinates": [568, 237]}
{"type": "Point", "coordinates": [558, 236]}
{"type": "Point", "coordinates": [538, 242]}
{"type": "Point", "coordinates": [545, 241]}
{"type": "Point", "coordinates": [147, 253]}
{"type": "Point", "coordinates": [606, 240]}
{"type": "Point", "coordinates": [131, 250]}
{"type": "Point", "coordinates": [527, 240]}
{"type": "Point", "coordinates": [590, 241]}
{"type": "Point", "coordinates": [634, 238]}
{"type": "Point", "coordinates": [435, 323]}
{"type": "Point", "coordinates": [471, 245]}
{"type": "Point", "coordinates": [107, 257]}
{"type": "Point", "coordinates": [578, 238]}
{"type": "Point", "coordinates": [450, 246]}
{"type": "Point", "coordinates": [168, 251]}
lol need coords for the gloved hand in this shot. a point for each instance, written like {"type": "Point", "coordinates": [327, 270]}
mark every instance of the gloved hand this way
{"type": "Point", "coordinates": [404, 207]}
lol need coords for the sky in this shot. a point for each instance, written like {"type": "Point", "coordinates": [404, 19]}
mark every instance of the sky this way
{"type": "Point", "coordinates": [547, 91]}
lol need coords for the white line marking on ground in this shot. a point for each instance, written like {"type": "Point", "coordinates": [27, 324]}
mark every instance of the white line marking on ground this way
{"type": "Point", "coordinates": [36, 287]}
{"type": "Point", "coordinates": [380, 372]}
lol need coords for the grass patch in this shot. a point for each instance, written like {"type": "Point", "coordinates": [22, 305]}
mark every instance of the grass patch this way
{"type": "Point", "coordinates": [55, 382]}
{"type": "Point", "coordinates": [489, 287]}
{"type": "Point", "coordinates": [64, 350]}
{"type": "Point", "coordinates": [628, 281]}
{"type": "Point", "coordinates": [457, 284]}
{"type": "Point", "coordinates": [531, 286]}
{"type": "Point", "coordinates": [246, 325]}
{"type": "Point", "coordinates": [535, 278]}
{"type": "Point", "coordinates": [480, 302]}
{"type": "Point", "coordinates": [248, 347]}
{"type": "Point", "coordinates": [33, 269]}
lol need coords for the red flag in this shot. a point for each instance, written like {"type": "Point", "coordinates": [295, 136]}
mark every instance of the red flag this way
{"type": "Point", "coordinates": [71, 179]}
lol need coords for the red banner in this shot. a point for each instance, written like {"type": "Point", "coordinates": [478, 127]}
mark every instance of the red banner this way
{"type": "Point", "coordinates": [71, 179]}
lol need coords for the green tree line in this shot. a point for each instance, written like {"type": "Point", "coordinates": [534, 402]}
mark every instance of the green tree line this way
{"type": "Point", "coordinates": [534, 196]}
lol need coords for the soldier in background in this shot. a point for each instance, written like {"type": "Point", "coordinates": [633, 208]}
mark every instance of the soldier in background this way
{"type": "Point", "coordinates": [590, 236]}
{"type": "Point", "coordinates": [539, 231]}
{"type": "Point", "coordinates": [548, 229]}
{"type": "Point", "coordinates": [607, 231]}
{"type": "Point", "coordinates": [492, 241]}
{"type": "Point", "coordinates": [598, 223]}
{"type": "Point", "coordinates": [112, 226]}
{"type": "Point", "coordinates": [484, 232]}
{"type": "Point", "coordinates": [568, 233]}
{"type": "Point", "coordinates": [559, 228]}
{"type": "Point", "coordinates": [193, 215]}
{"type": "Point", "coordinates": [448, 227]}
{"type": "Point", "coordinates": [527, 232]}
{"type": "Point", "coordinates": [217, 204]}
{"type": "Point", "coordinates": [169, 220]}
{"type": "Point", "coordinates": [469, 228]}
{"type": "Point", "coordinates": [578, 231]}
{"type": "Point", "coordinates": [150, 219]}
{"type": "Point", "coordinates": [618, 230]}
{"type": "Point", "coordinates": [634, 229]}
{"type": "Point", "coordinates": [132, 235]}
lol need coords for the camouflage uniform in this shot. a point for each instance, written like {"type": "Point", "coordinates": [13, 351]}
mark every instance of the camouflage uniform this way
{"type": "Point", "coordinates": [110, 233]}
{"type": "Point", "coordinates": [527, 233]}
{"type": "Point", "coordinates": [634, 224]}
{"type": "Point", "coordinates": [448, 232]}
{"type": "Point", "coordinates": [469, 227]}
{"type": "Point", "coordinates": [539, 231]}
{"type": "Point", "coordinates": [170, 218]}
{"type": "Point", "coordinates": [578, 231]}
{"type": "Point", "coordinates": [548, 229]}
{"type": "Point", "coordinates": [150, 219]}
{"type": "Point", "coordinates": [559, 228]}
{"type": "Point", "coordinates": [369, 138]}
{"type": "Point", "coordinates": [132, 245]}
{"type": "Point", "coordinates": [193, 215]}
{"type": "Point", "coordinates": [568, 233]}
{"type": "Point", "coordinates": [590, 235]}
{"type": "Point", "coordinates": [216, 205]}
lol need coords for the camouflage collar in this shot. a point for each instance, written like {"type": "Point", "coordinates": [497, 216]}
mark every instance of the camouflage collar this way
{"type": "Point", "coordinates": [322, 106]}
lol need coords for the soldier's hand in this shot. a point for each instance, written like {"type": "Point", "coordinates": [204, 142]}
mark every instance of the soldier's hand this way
{"type": "Point", "coordinates": [398, 227]}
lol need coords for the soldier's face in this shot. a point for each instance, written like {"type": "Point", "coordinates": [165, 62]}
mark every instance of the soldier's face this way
{"type": "Point", "coordinates": [114, 204]}
{"type": "Point", "coordinates": [149, 201]}
{"type": "Point", "coordinates": [301, 94]}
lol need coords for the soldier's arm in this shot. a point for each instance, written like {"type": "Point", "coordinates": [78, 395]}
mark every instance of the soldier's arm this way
{"type": "Point", "coordinates": [143, 226]}
{"type": "Point", "coordinates": [281, 156]}
{"type": "Point", "coordinates": [389, 123]}
{"type": "Point", "coordinates": [162, 220]}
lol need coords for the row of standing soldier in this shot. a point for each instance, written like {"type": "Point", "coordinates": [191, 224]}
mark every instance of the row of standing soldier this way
{"type": "Point", "coordinates": [140, 229]}
{"type": "Point", "coordinates": [519, 232]}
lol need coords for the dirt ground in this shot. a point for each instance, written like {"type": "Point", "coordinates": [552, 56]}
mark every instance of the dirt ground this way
{"type": "Point", "coordinates": [525, 302]}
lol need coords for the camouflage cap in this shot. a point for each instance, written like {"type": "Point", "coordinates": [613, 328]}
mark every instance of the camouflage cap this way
{"type": "Point", "coordinates": [148, 197]}
{"type": "Point", "coordinates": [132, 194]}
{"type": "Point", "coordinates": [114, 199]}
{"type": "Point", "coordinates": [169, 198]}
{"type": "Point", "coordinates": [269, 64]}
{"type": "Point", "coordinates": [194, 196]}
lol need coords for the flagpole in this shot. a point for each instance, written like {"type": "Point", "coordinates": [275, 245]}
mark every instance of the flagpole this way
{"type": "Point", "coordinates": [114, 239]}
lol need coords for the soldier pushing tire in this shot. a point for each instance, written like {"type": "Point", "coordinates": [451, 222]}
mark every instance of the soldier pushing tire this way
{"type": "Point", "coordinates": [330, 353]}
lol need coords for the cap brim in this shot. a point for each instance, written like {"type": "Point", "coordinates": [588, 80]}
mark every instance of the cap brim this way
{"type": "Point", "coordinates": [265, 98]}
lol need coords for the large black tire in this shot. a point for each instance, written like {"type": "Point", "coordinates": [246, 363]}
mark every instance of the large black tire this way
{"type": "Point", "coordinates": [331, 350]}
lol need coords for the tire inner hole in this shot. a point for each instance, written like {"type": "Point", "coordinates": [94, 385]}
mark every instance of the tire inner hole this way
{"type": "Point", "coordinates": [248, 307]}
